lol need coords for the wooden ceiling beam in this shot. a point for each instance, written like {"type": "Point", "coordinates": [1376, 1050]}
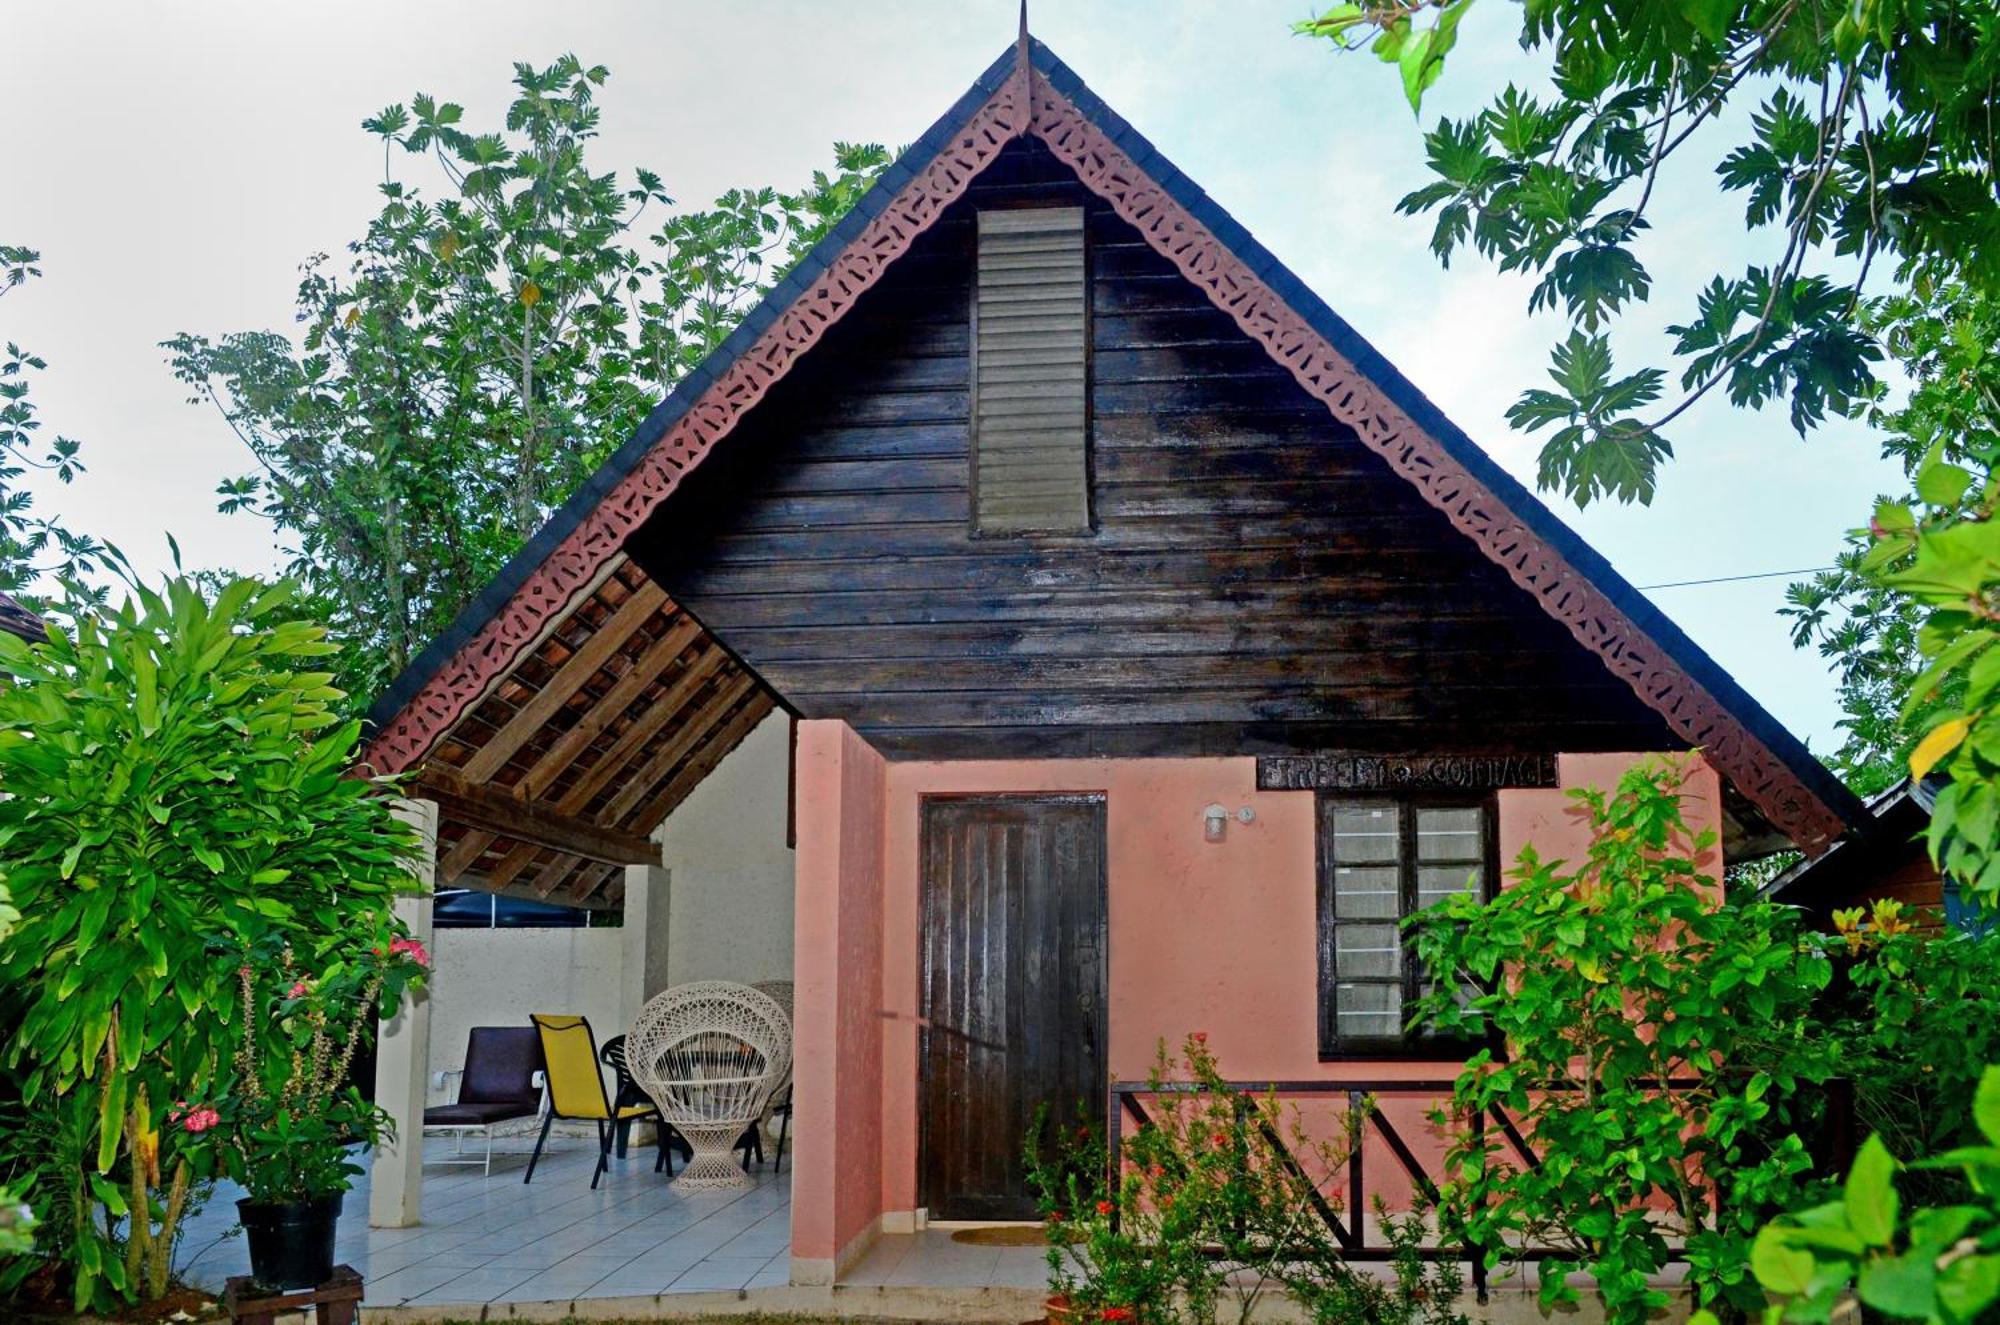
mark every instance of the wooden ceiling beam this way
{"type": "Point", "coordinates": [722, 738]}
{"type": "Point", "coordinates": [496, 810]}
{"type": "Point", "coordinates": [664, 762]}
{"type": "Point", "coordinates": [555, 761]}
{"type": "Point", "coordinates": [531, 717]}
{"type": "Point", "coordinates": [589, 886]}
{"type": "Point", "coordinates": [501, 877]}
{"type": "Point", "coordinates": [555, 872]}
{"type": "Point", "coordinates": [463, 855]}
{"type": "Point", "coordinates": [644, 728]}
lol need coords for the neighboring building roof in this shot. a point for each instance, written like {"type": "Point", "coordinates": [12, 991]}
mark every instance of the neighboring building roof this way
{"type": "Point", "coordinates": [18, 620]}
{"type": "Point", "coordinates": [1030, 91]}
{"type": "Point", "coordinates": [1888, 851]}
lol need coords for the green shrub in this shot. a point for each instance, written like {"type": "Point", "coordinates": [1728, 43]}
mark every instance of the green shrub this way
{"type": "Point", "coordinates": [1919, 1022]}
{"type": "Point", "coordinates": [1215, 1208]}
{"type": "Point", "coordinates": [1934, 1263]}
{"type": "Point", "coordinates": [175, 792]}
{"type": "Point", "coordinates": [1604, 979]}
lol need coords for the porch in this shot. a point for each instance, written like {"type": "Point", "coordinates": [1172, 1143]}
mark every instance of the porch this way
{"type": "Point", "coordinates": [494, 1240]}
{"type": "Point", "coordinates": [493, 1247]}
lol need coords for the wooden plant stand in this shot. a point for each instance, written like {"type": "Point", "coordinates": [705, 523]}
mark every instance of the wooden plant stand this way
{"type": "Point", "coordinates": [335, 1302]}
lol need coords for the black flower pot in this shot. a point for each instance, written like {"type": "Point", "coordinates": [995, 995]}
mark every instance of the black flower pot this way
{"type": "Point", "coordinates": [291, 1242]}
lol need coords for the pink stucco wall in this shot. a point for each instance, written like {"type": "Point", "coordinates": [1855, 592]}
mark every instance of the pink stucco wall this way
{"type": "Point", "coordinates": [1218, 937]}
{"type": "Point", "coordinates": [838, 981]}
{"type": "Point", "coordinates": [1553, 821]}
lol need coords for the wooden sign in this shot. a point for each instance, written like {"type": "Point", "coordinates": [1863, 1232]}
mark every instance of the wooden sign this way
{"type": "Point", "coordinates": [1357, 771]}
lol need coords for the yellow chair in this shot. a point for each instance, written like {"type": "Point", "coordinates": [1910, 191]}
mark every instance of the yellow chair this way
{"type": "Point", "coordinates": [576, 1089]}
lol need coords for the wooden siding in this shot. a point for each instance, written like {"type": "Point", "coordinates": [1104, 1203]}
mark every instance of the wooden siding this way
{"type": "Point", "coordinates": [1257, 580]}
{"type": "Point", "coordinates": [1030, 392]}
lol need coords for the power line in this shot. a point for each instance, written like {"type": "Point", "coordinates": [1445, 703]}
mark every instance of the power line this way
{"type": "Point", "coordinates": [1731, 579]}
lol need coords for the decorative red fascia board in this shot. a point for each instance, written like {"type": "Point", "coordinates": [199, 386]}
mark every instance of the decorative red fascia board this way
{"type": "Point", "coordinates": [1027, 104]}
{"type": "Point", "coordinates": [1472, 508]}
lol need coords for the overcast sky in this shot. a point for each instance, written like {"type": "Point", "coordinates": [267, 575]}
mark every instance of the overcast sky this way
{"type": "Point", "coordinates": [174, 164]}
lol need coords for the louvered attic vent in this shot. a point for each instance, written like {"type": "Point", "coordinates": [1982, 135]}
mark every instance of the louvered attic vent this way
{"type": "Point", "coordinates": [1030, 388]}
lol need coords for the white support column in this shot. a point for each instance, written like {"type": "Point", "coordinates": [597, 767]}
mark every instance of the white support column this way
{"type": "Point", "coordinates": [403, 1053]}
{"type": "Point", "coordinates": [648, 893]}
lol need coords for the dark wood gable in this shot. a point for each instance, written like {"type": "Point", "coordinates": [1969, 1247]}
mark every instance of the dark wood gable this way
{"type": "Point", "coordinates": [1256, 581]}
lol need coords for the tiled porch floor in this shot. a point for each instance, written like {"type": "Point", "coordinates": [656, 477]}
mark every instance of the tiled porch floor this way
{"type": "Point", "coordinates": [492, 1239]}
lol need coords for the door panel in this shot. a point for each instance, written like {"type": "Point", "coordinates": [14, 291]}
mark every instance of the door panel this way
{"type": "Point", "coordinates": [1013, 992]}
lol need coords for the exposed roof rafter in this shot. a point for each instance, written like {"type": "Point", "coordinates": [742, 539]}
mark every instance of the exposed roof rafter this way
{"type": "Point", "coordinates": [495, 810]}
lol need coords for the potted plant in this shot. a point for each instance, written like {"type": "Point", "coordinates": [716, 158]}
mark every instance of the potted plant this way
{"type": "Point", "coordinates": [287, 1128]}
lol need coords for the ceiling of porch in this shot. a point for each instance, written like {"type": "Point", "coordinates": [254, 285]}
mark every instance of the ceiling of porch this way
{"type": "Point", "coordinates": [553, 782]}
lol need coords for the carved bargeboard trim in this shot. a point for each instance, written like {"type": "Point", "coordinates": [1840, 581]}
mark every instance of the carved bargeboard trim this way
{"type": "Point", "coordinates": [577, 564]}
{"type": "Point", "coordinates": [1361, 771]}
{"type": "Point", "coordinates": [1354, 399]}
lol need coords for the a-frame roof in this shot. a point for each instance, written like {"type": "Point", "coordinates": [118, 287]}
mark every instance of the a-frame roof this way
{"type": "Point", "coordinates": [580, 552]}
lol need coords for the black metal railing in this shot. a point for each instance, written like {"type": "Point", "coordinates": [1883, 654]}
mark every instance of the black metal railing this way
{"type": "Point", "coordinates": [1365, 1116]}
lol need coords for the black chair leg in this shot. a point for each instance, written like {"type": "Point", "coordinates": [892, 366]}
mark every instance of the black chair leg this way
{"type": "Point", "coordinates": [548, 1121]}
{"type": "Point", "coordinates": [624, 1126]}
{"type": "Point", "coordinates": [661, 1159]}
{"type": "Point", "coordinates": [604, 1131]}
{"type": "Point", "coordinates": [784, 1135]}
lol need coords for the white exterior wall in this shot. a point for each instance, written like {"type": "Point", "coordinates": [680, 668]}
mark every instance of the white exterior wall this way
{"type": "Point", "coordinates": [729, 917]}
{"type": "Point", "coordinates": [725, 849]}
{"type": "Point", "coordinates": [497, 977]}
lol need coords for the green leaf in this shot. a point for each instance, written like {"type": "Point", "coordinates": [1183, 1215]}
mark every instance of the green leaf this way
{"type": "Point", "coordinates": [1969, 1285]}
{"type": "Point", "coordinates": [1780, 1266]}
{"type": "Point", "coordinates": [1900, 1285]}
{"type": "Point", "coordinates": [1418, 66]}
{"type": "Point", "coordinates": [1941, 483]}
{"type": "Point", "coordinates": [110, 1121]}
{"type": "Point", "coordinates": [1711, 18]}
{"type": "Point", "coordinates": [1948, 659]}
{"type": "Point", "coordinates": [1870, 1193]}
{"type": "Point", "coordinates": [1986, 1104]}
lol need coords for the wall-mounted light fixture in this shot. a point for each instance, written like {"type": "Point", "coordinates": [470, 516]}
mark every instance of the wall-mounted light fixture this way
{"type": "Point", "coordinates": [1214, 822]}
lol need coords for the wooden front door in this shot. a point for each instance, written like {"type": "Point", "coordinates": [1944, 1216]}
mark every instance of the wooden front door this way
{"type": "Point", "coordinates": [1013, 989]}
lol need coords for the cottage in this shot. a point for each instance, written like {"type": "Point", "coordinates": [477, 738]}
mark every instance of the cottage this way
{"type": "Point", "coordinates": [1150, 645]}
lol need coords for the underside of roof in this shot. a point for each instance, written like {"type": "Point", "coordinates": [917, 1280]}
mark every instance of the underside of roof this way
{"type": "Point", "coordinates": [18, 620]}
{"type": "Point", "coordinates": [521, 700]}
{"type": "Point", "coordinates": [550, 785]}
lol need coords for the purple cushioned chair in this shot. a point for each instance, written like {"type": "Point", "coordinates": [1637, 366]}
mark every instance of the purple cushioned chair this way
{"type": "Point", "coordinates": [498, 1085]}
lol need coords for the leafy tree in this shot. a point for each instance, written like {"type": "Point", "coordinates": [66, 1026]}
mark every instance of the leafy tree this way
{"type": "Point", "coordinates": [32, 547]}
{"type": "Point", "coordinates": [1871, 144]}
{"type": "Point", "coordinates": [1656, 1037]}
{"type": "Point", "coordinates": [176, 794]}
{"type": "Point", "coordinates": [1945, 340]}
{"type": "Point", "coordinates": [484, 346]}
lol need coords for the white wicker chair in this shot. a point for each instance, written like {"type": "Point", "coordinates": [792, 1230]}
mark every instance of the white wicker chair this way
{"type": "Point", "coordinates": [710, 1054]}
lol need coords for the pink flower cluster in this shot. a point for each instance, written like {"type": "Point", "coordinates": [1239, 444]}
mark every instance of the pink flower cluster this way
{"type": "Point", "coordinates": [411, 948]}
{"type": "Point", "coordinates": [299, 990]}
{"type": "Point", "coordinates": [193, 1120]}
